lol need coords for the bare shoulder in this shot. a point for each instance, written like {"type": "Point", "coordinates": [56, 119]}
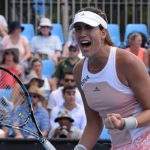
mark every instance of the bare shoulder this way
{"type": "Point", "coordinates": [77, 71]}
{"type": "Point", "coordinates": [129, 66]}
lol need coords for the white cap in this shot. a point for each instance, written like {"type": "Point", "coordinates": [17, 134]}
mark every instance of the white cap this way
{"type": "Point", "coordinates": [45, 22]}
{"type": "Point", "coordinates": [89, 18]}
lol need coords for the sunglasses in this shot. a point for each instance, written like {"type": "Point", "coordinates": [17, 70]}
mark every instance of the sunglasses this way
{"type": "Point", "coordinates": [71, 80]}
{"type": "Point", "coordinates": [73, 49]}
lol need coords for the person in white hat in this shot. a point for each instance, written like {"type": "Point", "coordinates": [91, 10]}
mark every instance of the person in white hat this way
{"type": "Point", "coordinates": [65, 129]}
{"type": "Point", "coordinates": [45, 45]}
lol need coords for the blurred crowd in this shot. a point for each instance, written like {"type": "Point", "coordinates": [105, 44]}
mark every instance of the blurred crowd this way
{"type": "Point", "coordinates": [56, 101]}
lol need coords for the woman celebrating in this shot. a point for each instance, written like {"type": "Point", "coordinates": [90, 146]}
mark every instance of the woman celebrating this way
{"type": "Point", "coordinates": [114, 85]}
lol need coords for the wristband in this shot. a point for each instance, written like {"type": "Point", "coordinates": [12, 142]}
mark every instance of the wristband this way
{"type": "Point", "coordinates": [130, 123]}
{"type": "Point", "coordinates": [80, 147]}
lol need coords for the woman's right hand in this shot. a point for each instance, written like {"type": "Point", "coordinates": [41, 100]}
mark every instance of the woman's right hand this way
{"type": "Point", "coordinates": [114, 121]}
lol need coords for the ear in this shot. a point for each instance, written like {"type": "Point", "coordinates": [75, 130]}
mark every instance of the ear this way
{"type": "Point", "coordinates": [104, 33]}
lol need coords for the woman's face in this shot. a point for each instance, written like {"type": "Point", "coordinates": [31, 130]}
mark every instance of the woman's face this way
{"type": "Point", "coordinates": [16, 31]}
{"type": "Point", "coordinates": [37, 67]}
{"type": "Point", "coordinates": [138, 41]}
{"type": "Point", "coordinates": [9, 56]}
{"type": "Point", "coordinates": [45, 30]}
{"type": "Point", "coordinates": [89, 39]}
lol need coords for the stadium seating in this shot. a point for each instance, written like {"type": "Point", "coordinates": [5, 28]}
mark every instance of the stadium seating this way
{"type": "Point", "coordinates": [114, 32]}
{"type": "Point", "coordinates": [48, 68]}
{"type": "Point", "coordinates": [39, 6]}
{"type": "Point", "coordinates": [134, 28]}
{"type": "Point", "coordinates": [104, 134]}
{"type": "Point", "coordinates": [28, 31]}
{"type": "Point", "coordinates": [57, 30]}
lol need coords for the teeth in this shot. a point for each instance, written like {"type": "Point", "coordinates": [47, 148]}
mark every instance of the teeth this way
{"type": "Point", "coordinates": [84, 42]}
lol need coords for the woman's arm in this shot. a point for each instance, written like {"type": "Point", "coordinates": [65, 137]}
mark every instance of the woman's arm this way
{"type": "Point", "coordinates": [94, 121]}
{"type": "Point", "coordinates": [132, 72]}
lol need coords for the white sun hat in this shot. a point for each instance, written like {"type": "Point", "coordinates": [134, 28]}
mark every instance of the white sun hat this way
{"type": "Point", "coordinates": [89, 18]}
{"type": "Point", "coordinates": [45, 22]}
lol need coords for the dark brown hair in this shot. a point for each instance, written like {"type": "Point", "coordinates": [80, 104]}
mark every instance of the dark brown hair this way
{"type": "Point", "coordinates": [15, 57]}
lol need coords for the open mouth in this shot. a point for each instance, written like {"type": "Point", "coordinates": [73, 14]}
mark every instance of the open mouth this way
{"type": "Point", "coordinates": [85, 43]}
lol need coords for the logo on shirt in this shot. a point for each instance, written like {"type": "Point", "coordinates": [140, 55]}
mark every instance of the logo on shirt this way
{"type": "Point", "coordinates": [84, 80]}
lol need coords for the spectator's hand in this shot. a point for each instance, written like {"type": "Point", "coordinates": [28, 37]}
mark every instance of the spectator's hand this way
{"type": "Point", "coordinates": [114, 121]}
{"type": "Point", "coordinates": [31, 137]}
{"type": "Point", "coordinates": [57, 133]}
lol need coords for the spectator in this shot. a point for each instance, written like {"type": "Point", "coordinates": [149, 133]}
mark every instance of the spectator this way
{"type": "Point", "coordinates": [76, 110]}
{"type": "Point", "coordinates": [36, 69]}
{"type": "Point", "coordinates": [33, 80]}
{"type": "Point", "coordinates": [135, 42]}
{"type": "Point", "coordinates": [47, 46]}
{"type": "Point", "coordinates": [65, 65]}
{"type": "Point", "coordinates": [9, 59]}
{"type": "Point", "coordinates": [3, 28]}
{"type": "Point", "coordinates": [71, 41]}
{"type": "Point", "coordinates": [56, 97]}
{"type": "Point", "coordinates": [65, 128]}
{"type": "Point", "coordinates": [41, 114]}
{"type": "Point", "coordinates": [16, 40]}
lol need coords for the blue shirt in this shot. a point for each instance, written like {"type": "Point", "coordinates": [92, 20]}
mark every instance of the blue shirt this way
{"type": "Point", "coordinates": [41, 116]}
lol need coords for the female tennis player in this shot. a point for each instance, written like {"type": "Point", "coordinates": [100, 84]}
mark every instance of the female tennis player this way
{"type": "Point", "coordinates": [114, 84]}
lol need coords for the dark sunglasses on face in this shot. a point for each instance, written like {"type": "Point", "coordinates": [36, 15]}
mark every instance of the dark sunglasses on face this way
{"type": "Point", "coordinates": [67, 80]}
{"type": "Point", "coordinates": [73, 48]}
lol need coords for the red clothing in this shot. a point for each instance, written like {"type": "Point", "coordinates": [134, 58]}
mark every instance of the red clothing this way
{"type": "Point", "coordinates": [8, 81]}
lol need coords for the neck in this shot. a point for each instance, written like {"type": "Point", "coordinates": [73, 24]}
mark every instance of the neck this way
{"type": "Point", "coordinates": [70, 106]}
{"type": "Point", "coordinates": [97, 62]}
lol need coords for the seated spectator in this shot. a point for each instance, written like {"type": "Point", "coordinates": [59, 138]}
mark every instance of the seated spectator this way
{"type": "Point", "coordinates": [56, 97]}
{"type": "Point", "coordinates": [65, 65]}
{"type": "Point", "coordinates": [41, 114]}
{"type": "Point", "coordinates": [76, 110]}
{"type": "Point", "coordinates": [14, 39]}
{"type": "Point", "coordinates": [9, 59]}
{"type": "Point", "coordinates": [3, 28]}
{"type": "Point", "coordinates": [36, 69]}
{"type": "Point", "coordinates": [33, 80]}
{"type": "Point", "coordinates": [71, 41]}
{"type": "Point", "coordinates": [65, 128]}
{"type": "Point", "coordinates": [45, 45]}
{"type": "Point", "coordinates": [4, 132]}
{"type": "Point", "coordinates": [135, 42]}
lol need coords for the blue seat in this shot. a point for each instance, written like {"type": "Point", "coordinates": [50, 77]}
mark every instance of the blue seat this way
{"type": "Point", "coordinates": [48, 68]}
{"type": "Point", "coordinates": [28, 31]}
{"type": "Point", "coordinates": [57, 30]}
{"type": "Point", "coordinates": [39, 6]}
{"type": "Point", "coordinates": [135, 28]}
{"type": "Point", "coordinates": [114, 32]}
{"type": "Point", "coordinates": [104, 134]}
{"type": "Point", "coordinates": [6, 93]}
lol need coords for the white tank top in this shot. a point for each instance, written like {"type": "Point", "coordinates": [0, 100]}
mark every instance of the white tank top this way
{"type": "Point", "coordinates": [105, 94]}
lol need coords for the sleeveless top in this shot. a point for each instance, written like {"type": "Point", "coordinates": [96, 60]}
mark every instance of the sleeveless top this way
{"type": "Point", "coordinates": [105, 94]}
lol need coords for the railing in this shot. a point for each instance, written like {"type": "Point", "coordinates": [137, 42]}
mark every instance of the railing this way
{"type": "Point", "coordinates": [120, 12]}
{"type": "Point", "coordinates": [60, 144]}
